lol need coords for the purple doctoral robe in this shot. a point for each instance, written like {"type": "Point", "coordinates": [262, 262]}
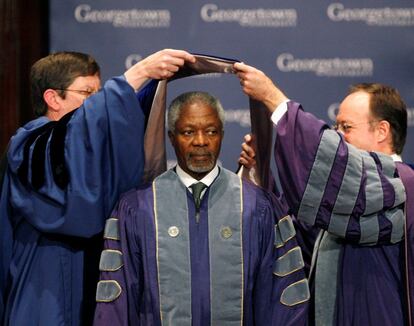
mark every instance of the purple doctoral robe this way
{"type": "Point", "coordinates": [130, 293]}
{"type": "Point", "coordinates": [62, 180]}
{"type": "Point", "coordinates": [358, 198]}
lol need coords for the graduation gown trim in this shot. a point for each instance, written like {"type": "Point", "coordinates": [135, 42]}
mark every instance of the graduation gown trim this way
{"type": "Point", "coordinates": [225, 243]}
{"type": "Point", "coordinates": [406, 175]}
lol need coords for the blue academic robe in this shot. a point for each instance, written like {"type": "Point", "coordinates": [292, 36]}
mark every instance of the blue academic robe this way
{"type": "Point", "coordinates": [129, 290]}
{"type": "Point", "coordinates": [357, 198]}
{"type": "Point", "coordinates": [61, 183]}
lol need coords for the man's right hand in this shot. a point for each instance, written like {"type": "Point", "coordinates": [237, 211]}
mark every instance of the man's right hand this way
{"type": "Point", "coordinates": [257, 85]}
{"type": "Point", "coordinates": [160, 65]}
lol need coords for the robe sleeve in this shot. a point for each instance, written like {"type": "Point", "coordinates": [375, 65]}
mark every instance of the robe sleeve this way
{"type": "Point", "coordinates": [281, 294]}
{"type": "Point", "coordinates": [329, 183]}
{"type": "Point", "coordinates": [120, 286]}
{"type": "Point", "coordinates": [67, 175]}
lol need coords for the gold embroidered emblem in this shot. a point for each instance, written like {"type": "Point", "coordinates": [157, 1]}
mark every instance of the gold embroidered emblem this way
{"type": "Point", "coordinates": [226, 232]}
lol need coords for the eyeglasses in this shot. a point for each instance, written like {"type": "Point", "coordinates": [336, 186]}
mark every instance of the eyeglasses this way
{"type": "Point", "coordinates": [346, 127]}
{"type": "Point", "coordinates": [83, 92]}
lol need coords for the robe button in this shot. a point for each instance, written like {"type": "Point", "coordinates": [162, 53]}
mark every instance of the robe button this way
{"type": "Point", "coordinates": [173, 231]}
{"type": "Point", "coordinates": [226, 232]}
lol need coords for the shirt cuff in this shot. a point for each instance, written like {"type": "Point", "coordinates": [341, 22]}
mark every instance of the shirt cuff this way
{"type": "Point", "coordinates": [279, 112]}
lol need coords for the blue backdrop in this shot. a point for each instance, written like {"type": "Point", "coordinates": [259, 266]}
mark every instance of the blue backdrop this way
{"type": "Point", "coordinates": [312, 49]}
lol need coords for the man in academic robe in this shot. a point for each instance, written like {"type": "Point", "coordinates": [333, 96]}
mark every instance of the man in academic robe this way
{"type": "Point", "coordinates": [349, 182]}
{"type": "Point", "coordinates": [199, 245]}
{"type": "Point", "coordinates": [64, 173]}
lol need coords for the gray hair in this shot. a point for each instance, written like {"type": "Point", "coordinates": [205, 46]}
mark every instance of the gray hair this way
{"type": "Point", "coordinates": [180, 101]}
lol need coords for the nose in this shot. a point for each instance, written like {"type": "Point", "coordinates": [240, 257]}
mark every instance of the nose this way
{"type": "Point", "coordinates": [200, 139]}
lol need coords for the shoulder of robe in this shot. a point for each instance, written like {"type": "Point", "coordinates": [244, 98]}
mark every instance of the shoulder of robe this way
{"type": "Point", "coordinates": [55, 133]}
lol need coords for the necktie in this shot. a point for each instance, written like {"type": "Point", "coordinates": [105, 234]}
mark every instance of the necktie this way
{"type": "Point", "coordinates": [197, 189]}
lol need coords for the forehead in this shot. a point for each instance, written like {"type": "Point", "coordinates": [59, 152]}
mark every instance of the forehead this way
{"type": "Point", "coordinates": [354, 107]}
{"type": "Point", "coordinates": [83, 82]}
{"type": "Point", "coordinates": [198, 113]}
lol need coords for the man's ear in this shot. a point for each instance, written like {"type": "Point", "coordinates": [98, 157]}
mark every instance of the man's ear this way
{"type": "Point", "coordinates": [383, 131]}
{"type": "Point", "coordinates": [52, 100]}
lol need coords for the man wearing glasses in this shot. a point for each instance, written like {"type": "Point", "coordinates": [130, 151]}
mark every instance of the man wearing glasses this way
{"type": "Point", "coordinates": [352, 185]}
{"type": "Point", "coordinates": [373, 117]}
{"type": "Point", "coordinates": [64, 172]}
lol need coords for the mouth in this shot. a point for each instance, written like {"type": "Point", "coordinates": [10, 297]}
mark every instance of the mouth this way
{"type": "Point", "coordinates": [200, 162]}
{"type": "Point", "coordinates": [200, 157]}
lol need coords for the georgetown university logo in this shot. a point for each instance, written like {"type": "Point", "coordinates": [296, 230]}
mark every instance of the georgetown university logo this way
{"type": "Point", "coordinates": [371, 16]}
{"type": "Point", "coordinates": [259, 17]}
{"type": "Point", "coordinates": [131, 18]}
{"type": "Point", "coordinates": [329, 67]}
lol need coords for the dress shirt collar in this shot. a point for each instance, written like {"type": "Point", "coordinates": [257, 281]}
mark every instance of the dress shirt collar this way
{"type": "Point", "coordinates": [188, 180]}
{"type": "Point", "coordinates": [396, 158]}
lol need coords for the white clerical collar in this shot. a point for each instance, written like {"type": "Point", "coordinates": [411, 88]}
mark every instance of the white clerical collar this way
{"type": "Point", "coordinates": [396, 158]}
{"type": "Point", "coordinates": [188, 180]}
